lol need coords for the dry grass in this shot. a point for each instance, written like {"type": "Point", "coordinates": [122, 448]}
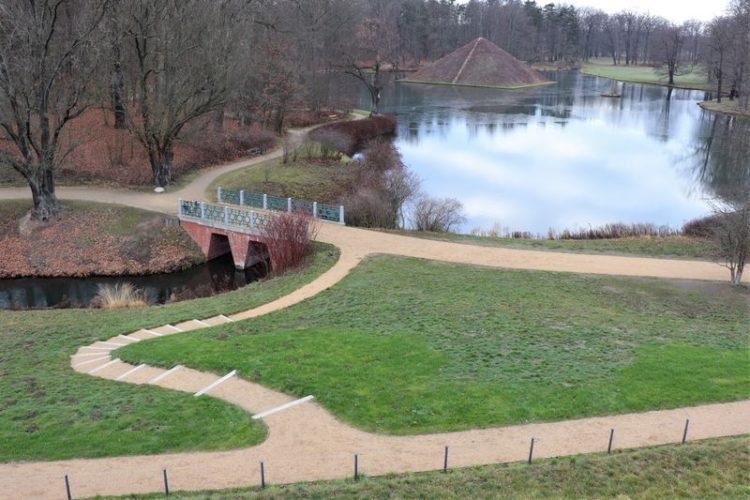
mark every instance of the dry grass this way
{"type": "Point", "coordinates": [119, 296]}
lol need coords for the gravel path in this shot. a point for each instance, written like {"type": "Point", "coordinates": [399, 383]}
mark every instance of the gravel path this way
{"type": "Point", "coordinates": [305, 441]}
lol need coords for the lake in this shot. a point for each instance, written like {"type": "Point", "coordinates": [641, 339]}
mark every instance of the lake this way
{"type": "Point", "coordinates": [561, 155]}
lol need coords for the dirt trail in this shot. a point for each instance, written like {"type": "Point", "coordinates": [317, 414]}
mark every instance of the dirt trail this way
{"type": "Point", "coordinates": [306, 442]}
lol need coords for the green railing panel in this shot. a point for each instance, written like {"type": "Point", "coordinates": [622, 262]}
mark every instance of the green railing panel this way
{"type": "Point", "coordinates": [277, 203]}
{"type": "Point", "coordinates": [328, 212]}
{"type": "Point", "coordinates": [302, 206]}
{"type": "Point", "coordinates": [229, 196]}
{"type": "Point", "coordinates": [253, 200]}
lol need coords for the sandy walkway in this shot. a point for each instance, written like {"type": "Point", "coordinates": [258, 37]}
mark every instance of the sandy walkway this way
{"type": "Point", "coordinates": [306, 442]}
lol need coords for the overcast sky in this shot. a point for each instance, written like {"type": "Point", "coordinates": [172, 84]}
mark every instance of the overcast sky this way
{"type": "Point", "coordinates": [675, 10]}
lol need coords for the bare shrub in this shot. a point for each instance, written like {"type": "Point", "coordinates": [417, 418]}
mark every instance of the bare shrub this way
{"type": "Point", "coordinates": [287, 237]}
{"type": "Point", "coordinates": [438, 215]}
{"type": "Point", "coordinates": [383, 187]}
{"type": "Point", "coordinates": [351, 135]}
{"type": "Point", "coordinates": [119, 296]}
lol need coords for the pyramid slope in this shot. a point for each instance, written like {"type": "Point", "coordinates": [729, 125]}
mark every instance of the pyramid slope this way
{"type": "Point", "coordinates": [479, 62]}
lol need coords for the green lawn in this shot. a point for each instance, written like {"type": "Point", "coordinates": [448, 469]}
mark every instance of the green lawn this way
{"type": "Point", "coordinates": [409, 346]}
{"type": "Point", "coordinates": [695, 78]}
{"type": "Point", "coordinates": [47, 411]}
{"type": "Point", "coordinates": [667, 247]}
{"type": "Point", "coordinates": [325, 183]}
{"type": "Point", "coordinates": [716, 468]}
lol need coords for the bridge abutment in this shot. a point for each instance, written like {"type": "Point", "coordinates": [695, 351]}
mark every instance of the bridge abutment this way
{"type": "Point", "coordinates": [246, 249]}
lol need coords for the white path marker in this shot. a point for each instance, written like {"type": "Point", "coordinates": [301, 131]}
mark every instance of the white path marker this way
{"type": "Point", "coordinates": [129, 372]}
{"type": "Point", "coordinates": [227, 318]}
{"type": "Point", "coordinates": [112, 343]}
{"type": "Point", "coordinates": [131, 339]}
{"type": "Point", "coordinates": [98, 368]}
{"type": "Point", "coordinates": [151, 332]}
{"type": "Point", "coordinates": [165, 374]}
{"type": "Point", "coordinates": [215, 383]}
{"type": "Point", "coordinates": [282, 407]}
{"type": "Point", "coordinates": [90, 361]}
{"type": "Point", "coordinates": [174, 328]}
{"type": "Point", "coordinates": [201, 322]}
{"type": "Point", "coordinates": [89, 354]}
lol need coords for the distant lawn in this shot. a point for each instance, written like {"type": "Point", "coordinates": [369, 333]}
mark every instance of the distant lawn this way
{"type": "Point", "coordinates": [409, 346]}
{"type": "Point", "coordinates": [667, 247]}
{"type": "Point", "coordinates": [50, 412]}
{"type": "Point", "coordinates": [695, 79]}
{"type": "Point", "coordinates": [302, 179]}
{"type": "Point", "coordinates": [716, 468]}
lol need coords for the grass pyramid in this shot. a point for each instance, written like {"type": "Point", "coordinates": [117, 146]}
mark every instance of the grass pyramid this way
{"type": "Point", "coordinates": [478, 63]}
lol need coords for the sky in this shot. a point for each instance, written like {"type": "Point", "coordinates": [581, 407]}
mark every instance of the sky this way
{"type": "Point", "coordinates": [674, 10]}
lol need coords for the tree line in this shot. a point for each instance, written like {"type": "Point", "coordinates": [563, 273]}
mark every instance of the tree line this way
{"type": "Point", "coordinates": [161, 66]}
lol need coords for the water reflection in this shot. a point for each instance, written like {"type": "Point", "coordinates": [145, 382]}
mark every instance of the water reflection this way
{"type": "Point", "coordinates": [215, 276]}
{"type": "Point", "coordinates": [562, 155]}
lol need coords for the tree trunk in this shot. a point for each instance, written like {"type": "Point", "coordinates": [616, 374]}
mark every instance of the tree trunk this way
{"type": "Point", "coordinates": [118, 88]}
{"type": "Point", "coordinates": [161, 165]}
{"type": "Point", "coordinates": [42, 186]}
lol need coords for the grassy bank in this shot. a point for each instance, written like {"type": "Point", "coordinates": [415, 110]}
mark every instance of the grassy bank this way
{"type": "Point", "coordinates": [303, 179]}
{"type": "Point", "coordinates": [695, 79]}
{"type": "Point", "coordinates": [726, 107]}
{"type": "Point", "coordinates": [474, 85]}
{"type": "Point", "coordinates": [93, 239]}
{"type": "Point", "coordinates": [408, 346]}
{"type": "Point", "coordinates": [714, 468]}
{"type": "Point", "coordinates": [667, 247]}
{"type": "Point", "coordinates": [47, 411]}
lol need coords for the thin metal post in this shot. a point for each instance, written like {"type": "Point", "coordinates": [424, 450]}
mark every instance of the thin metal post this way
{"type": "Point", "coordinates": [203, 210]}
{"type": "Point", "coordinates": [242, 196]}
{"type": "Point", "coordinates": [315, 209]}
{"type": "Point", "coordinates": [166, 482]}
{"type": "Point", "coordinates": [262, 475]}
{"type": "Point", "coordinates": [67, 487]}
{"type": "Point", "coordinates": [218, 194]}
{"type": "Point", "coordinates": [684, 433]}
{"type": "Point", "coordinates": [531, 450]}
{"type": "Point", "coordinates": [356, 467]}
{"type": "Point", "coordinates": [226, 214]}
{"type": "Point", "coordinates": [252, 218]}
{"type": "Point", "coordinates": [265, 201]}
{"type": "Point", "coordinates": [289, 205]}
{"type": "Point", "coordinates": [611, 436]}
{"type": "Point", "coordinates": [341, 214]}
{"type": "Point", "coordinates": [179, 207]}
{"type": "Point", "coordinates": [445, 460]}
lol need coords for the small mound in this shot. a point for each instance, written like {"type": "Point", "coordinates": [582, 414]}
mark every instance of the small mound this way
{"type": "Point", "coordinates": [479, 62]}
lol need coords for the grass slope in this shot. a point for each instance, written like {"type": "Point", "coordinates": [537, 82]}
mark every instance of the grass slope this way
{"type": "Point", "coordinates": [47, 411]}
{"type": "Point", "coordinates": [408, 346]}
{"type": "Point", "coordinates": [303, 180]}
{"type": "Point", "coordinates": [705, 469]}
{"type": "Point", "coordinates": [695, 79]}
{"type": "Point", "coordinates": [668, 247]}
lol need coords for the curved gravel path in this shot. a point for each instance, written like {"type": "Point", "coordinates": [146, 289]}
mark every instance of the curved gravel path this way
{"type": "Point", "coordinates": [305, 441]}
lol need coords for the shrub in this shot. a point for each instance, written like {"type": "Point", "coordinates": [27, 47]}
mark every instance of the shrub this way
{"type": "Point", "coordinates": [119, 296]}
{"type": "Point", "coordinates": [348, 137]}
{"type": "Point", "coordinates": [287, 237]}
{"type": "Point", "coordinates": [615, 230]}
{"type": "Point", "coordinates": [439, 215]}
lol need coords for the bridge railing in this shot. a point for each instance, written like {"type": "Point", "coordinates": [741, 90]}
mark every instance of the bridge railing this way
{"type": "Point", "coordinates": [222, 215]}
{"type": "Point", "coordinates": [322, 211]}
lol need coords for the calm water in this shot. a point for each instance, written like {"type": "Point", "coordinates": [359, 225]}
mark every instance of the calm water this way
{"type": "Point", "coordinates": [215, 276]}
{"type": "Point", "coordinates": [559, 156]}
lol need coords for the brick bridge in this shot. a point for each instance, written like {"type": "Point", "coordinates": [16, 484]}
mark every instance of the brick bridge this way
{"type": "Point", "coordinates": [219, 229]}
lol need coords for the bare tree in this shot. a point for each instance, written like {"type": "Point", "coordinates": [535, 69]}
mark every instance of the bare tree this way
{"type": "Point", "coordinates": [47, 63]}
{"type": "Point", "coordinates": [732, 234]}
{"type": "Point", "coordinates": [672, 39]}
{"type": "Point", "coordinates": [721, 39]}
{"type": "Point", "coordinates": [178, 71]}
